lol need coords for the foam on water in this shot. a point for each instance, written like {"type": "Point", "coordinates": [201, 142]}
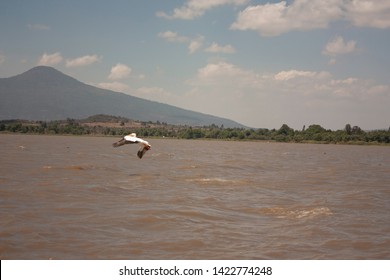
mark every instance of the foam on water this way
{"type": "Point", "coordinates": [299, 213]}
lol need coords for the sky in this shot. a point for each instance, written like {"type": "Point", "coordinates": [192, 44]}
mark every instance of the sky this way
{"type": "Point", "coordinates": [260, 63]}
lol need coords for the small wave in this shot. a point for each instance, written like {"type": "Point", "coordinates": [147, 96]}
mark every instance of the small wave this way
{"type": "Point", "coordinates": [163, 155]}
{"type": "Point", "coordinates": [307, 213]}
{"type": "Point", "coordinates": [211, 181]}
{"type": "Point", "coordinates": [301, 213]}
{"type": "Point", "coordinates": [195, 215]}
{"type": "Point", "coordinates": [68, 167]}
{"type": "Point", "coordinates": [187, 167]}
{"type": "Point", "coordinates": [153, 220]}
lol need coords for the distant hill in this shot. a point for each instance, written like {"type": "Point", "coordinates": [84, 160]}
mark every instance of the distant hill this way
{"type": "Point", "coordinates": [44, 93]}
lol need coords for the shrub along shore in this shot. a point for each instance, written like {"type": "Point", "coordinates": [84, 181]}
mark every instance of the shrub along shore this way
{"type": "Point", "coordinates": [101, 125]}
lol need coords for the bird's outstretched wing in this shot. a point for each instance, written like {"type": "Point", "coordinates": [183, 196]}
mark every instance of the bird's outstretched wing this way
{"type": "Point", "coordinates": [142, 151]}
{"type": "Point", "coordinates": [120, 143]}
{"type": "Point", "coordinates": [127, 140]}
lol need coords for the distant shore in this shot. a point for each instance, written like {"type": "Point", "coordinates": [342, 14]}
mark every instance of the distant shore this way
{"type": "Point", "coordinates": [102, 125]}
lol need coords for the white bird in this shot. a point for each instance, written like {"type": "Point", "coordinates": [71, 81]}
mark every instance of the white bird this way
{"type": "Point", "coordinates": [132, 139]}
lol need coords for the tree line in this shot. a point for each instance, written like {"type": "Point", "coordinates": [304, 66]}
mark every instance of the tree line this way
{"type": "Point", "coordinates": [119, 127]}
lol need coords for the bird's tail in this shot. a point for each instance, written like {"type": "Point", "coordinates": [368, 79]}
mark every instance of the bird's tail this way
{"type": "Point", "coordinates": [119, 143]}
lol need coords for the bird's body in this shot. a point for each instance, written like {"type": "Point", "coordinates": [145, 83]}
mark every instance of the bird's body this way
{"type": "Point", "coordinates": [133, 139]}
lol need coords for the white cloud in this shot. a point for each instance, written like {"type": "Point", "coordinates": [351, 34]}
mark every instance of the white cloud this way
{"type": "Point", "coordinates": [224, 74]}
{"type": "Point", "coordinates": [196, 8]}
{"type": "Point", "coordinates": [369, 13]}
{"type": "Point", "coordinates": [38, 26]}
{"type": "Point", "coordinates": [171, 36]}
{"type": "Point", "coordinates": [50, 59]}
{"type": "Point", "coordinates": [82, 61]}
{"type": "Point", "coordinates": [119, 71]}
{"type": "Point", "coordinates": [115, 86]}
{"type": "Point", "coordinates": [273, 19]}
{"type": "Point", "coordinates": [277, 18]}
{"type": "Point", "coordinates": [194, 44]}
{"type": "Point", "coordinates": [339, 46]}
{"type": "Point", "coordinates": [292, 74]}
{"type": "Point", "coordinates": [215, 48]}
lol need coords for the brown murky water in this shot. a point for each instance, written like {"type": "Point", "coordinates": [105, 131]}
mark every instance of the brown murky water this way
{"type": "Point", "coordinates": [79, 198]}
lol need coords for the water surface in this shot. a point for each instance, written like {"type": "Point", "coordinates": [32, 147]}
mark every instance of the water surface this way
{"type": "Point", "coordinates": [64, 197]}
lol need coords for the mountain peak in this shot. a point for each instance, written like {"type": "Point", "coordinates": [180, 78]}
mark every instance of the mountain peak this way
{"type": "Point", "coordinates": [42, 68]}
{"type": "Point", "coordinates": [45, 75]}
{"type": "Point", "coordinates": [41, 71]}
{"type": "Point", "coordinates": [44, 93]}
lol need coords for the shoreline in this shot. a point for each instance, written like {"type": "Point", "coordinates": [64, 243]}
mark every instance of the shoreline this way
{"type": "Point", "coordinates": [349, 143]}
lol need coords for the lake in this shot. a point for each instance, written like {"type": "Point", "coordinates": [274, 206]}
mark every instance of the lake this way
{"type": "Point", "coordinates": [67, 197]}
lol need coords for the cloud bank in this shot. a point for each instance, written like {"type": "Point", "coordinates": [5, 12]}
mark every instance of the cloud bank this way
{"type": "Point", "coordinates": [82, 61]}
{"type": "Point", "coordinates": [119, 72]}
{"type": "Point", "coordinates": [294, 96]}
{"type": "Point", "coordinates": [194, 44]}
{"type": "Point", "coordinates": [196, 8]}
{"type": "Point", "coordinates": [50, 59]}
{"type": "Point", "coordinates": [273, 19]}
{"type": "Point", "coordinates": [338, 46]}
{"type": "Point", "coordinates": [215, 48]}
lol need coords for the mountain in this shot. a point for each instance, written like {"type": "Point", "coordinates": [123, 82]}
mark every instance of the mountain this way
{"type": "Point", "coordinates": [44, 93]}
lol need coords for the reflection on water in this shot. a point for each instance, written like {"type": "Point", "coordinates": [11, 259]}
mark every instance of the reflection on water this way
{"type": "Point", "coordinates": [78, 198]}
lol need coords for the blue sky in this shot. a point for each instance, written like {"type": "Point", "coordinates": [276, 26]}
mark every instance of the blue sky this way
{"type": "Point", "coordinates": [260, 63]}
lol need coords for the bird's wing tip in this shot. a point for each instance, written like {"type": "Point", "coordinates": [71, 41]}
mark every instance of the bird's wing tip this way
{"type": "Point", "coordinates": [142, 151]}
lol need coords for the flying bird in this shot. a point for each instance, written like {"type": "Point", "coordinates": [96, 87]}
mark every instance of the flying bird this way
{"type": "Point", "coordinates": [132, 139]}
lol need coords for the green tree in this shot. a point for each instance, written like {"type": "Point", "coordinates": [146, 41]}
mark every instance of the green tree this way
{"type": "Point", "coordinates": [315, 128]}
{"type": "Point", "coordinates": [348, 128]}
{"type": "Point", "coordinates": [285, 130]}
{"type": "Point", "coordinates": [356, 130]}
